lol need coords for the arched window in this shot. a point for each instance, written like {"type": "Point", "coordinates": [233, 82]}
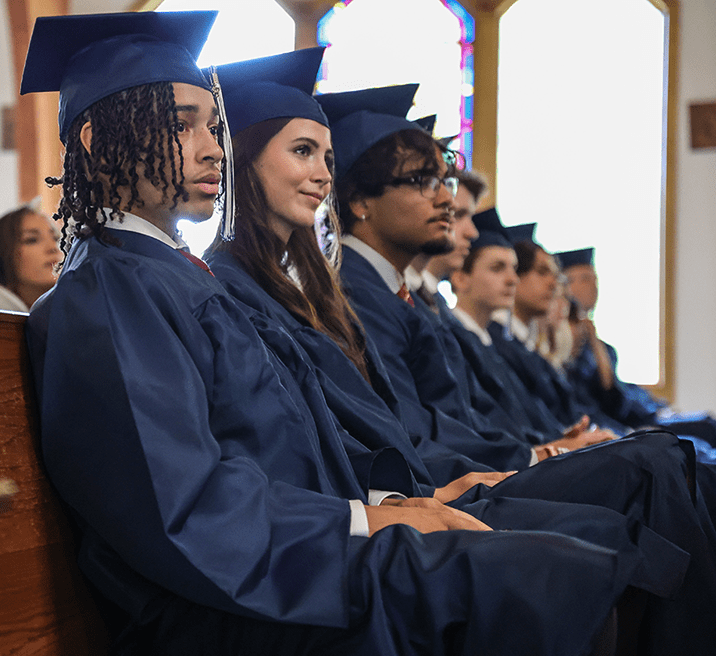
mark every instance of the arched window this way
{"type": "Point", "coordinates": [581, 124]}
{"type": "Point", "coordinates": [378, 43]}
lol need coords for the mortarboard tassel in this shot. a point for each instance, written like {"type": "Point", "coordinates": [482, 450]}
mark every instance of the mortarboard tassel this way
{"type": "Point", "coordinates": [227, 220]}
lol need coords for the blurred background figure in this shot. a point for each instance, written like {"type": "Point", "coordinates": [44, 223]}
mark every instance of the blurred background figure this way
{"type": "Point", "coordinates": [29, 255]}
{"type": "Point", "coordinates": [555, 341]}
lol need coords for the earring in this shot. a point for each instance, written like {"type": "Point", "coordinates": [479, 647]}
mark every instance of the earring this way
{"type": "Point", "coordinates": [362, 217]}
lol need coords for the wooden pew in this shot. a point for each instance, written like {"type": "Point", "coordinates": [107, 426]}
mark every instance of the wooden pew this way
{"type": "Point", "coordinates": [45, 606]}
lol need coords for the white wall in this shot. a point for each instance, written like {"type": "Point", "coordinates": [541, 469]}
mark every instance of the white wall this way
{"type": "Point", "coordinates": [696, 218]}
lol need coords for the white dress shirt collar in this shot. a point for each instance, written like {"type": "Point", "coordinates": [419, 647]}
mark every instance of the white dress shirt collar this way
{"type": "Point", "coordinates": [472, 325]}
{"type": "Point", "coordinates": [413, 279]}
{"type": "Point", "coordinates": [388, 273]}
{"type": "Point", "coordinates": [526, 334]}
{"type": "Point", "coordinates": [430, 281]}
{"type": "Point", "coordinates": [134, 223]}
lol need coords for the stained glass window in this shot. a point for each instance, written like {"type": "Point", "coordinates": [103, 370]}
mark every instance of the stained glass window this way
{"type": "Point", "coordinates": [383, 42]}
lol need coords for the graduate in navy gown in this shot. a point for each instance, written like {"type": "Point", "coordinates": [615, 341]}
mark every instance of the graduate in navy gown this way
{"type": "Point", "coordinates": [480, 291]}
{"type": "Point", "coordinates": [214, 492]}
{"type": "Point", "coordinates": [275, 266]}
{"type": "Point", "coordinates": [592, 370]}
{"type": "Point", "coordinates": [391, 192]}
{"type": "Point", "coordinates": [515, 338]}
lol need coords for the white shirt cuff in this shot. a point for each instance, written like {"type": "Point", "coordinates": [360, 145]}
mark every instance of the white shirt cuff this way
{"type": "Point", "coordinates": [376, 497]}
{"type": "Point", "coordinates": [534, 459]}
{"type": "Point", "coordinates": [359, 517]}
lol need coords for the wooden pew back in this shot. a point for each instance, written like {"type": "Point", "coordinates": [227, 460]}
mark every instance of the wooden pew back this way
{"type": "Point", "coordinates": [45, 606]}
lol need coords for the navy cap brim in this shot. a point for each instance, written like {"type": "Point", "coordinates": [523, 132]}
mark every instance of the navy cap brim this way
{"type": "Point", "coordinates": [573, 258]}
{"type": "Point", "coordinates": [89, 57]}
{"type": "Point", "coordinates": [278, 86]}
{"type": "Point", "coordinates": [360, 119]}
{"type": "Point", "coordinates": [358, 132]}
{"type": "Point", "coordinates": [490, 229]}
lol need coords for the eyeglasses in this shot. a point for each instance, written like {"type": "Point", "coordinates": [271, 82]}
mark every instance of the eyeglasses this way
{"type": "Point", "coordinates": [429, 184]}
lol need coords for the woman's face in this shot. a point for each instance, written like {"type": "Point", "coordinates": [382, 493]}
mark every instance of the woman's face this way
{"type": "Point", "coordinates": [37, 252]}
{"type": "Point", "coordinates": [295, 172]}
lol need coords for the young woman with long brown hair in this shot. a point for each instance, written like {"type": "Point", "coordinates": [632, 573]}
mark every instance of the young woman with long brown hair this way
{"type": "Point", "coordinates": [29, 255]}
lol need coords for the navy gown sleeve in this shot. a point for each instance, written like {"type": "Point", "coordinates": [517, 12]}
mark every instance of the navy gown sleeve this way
{"type": "Point", "coordinates": [124, 377]}
{"type": "Point", "coordinates": [360, 409]}
{"type": "Point", "coordinates": [432, 404]}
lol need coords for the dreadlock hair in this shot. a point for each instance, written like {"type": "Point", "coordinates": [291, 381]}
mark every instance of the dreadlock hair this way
{"type": "Point", "coordinates": [134, 133]}
{"type": "Point", "coordinates": [319, 301]}
{"type": "Point", "coordinates": [386, 159]}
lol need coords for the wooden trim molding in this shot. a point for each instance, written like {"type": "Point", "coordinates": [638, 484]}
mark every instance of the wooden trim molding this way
{"type": "Point", "coordinates": [37, 134]}
{"type": "Point", "coordinates": [666, 388]}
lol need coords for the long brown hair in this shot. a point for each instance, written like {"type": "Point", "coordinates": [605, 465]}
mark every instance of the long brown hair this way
{"type": "Point", "coordinates": [319, 301]}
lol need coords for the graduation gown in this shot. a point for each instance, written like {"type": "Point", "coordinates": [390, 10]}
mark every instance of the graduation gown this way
{"type": "Point", "coordinates": [543, 380]}
{"type": "Point", "coordinates": [212, 493]}
{"type": "Point", "coordinates": [355, 401]}
{"type": "Point", "coordinates": [500, 416]}
{"type": "Point", "coordinates": [632, 405]}
{"type": "Point", "coordinates": [433, 405]}
{"type": "Point", "coordinates": [616, 475]}
{"type": "Point", "coordinates": [498, 379]}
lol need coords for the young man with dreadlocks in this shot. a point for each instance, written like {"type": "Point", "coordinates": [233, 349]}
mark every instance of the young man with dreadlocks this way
{"type": "Point", "coordinates": [214, 492]}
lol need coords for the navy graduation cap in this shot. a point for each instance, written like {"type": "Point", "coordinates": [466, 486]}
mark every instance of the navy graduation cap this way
{"type": "Point", "coordinates": [572, 258]}
{"type": "Point", "coordinates": [490, 229]}
{"type": "Point", "coordinates": [89, 57]}
{"type": "Point", "coordinates": [279, 86]}
{"type": "Point", "coordinates": [360, 119]}
{"type": "Point", "coordinates": [522, 232]}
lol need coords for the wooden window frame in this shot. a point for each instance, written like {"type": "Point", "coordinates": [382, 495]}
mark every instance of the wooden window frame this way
{"type": "Point", "coordinates": [487, 14]}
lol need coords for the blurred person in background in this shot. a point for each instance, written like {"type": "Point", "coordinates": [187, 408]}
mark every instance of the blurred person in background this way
{"type": "Point", "coordinates": [29, 255]}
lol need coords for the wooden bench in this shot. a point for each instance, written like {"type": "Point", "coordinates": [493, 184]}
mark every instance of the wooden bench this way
{"type": "Point", "coordinates": [45, 606]}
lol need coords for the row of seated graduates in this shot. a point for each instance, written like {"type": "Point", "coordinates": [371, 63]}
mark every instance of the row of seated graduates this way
{"type": "Point", "coordinates": [592, 365]}
{"type": "Point", "coordinates": [69, 622]}
{"type": "Point", "coordinates": [525, 392]}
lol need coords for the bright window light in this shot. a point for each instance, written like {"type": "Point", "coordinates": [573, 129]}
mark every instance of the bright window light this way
{"type": "Point", "coordinates": [379, 43]}
{"type": "Point", "coordinates": [581, 127]}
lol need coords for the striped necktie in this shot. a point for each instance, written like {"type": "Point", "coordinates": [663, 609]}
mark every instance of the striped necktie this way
{"type": "Point", "coordinates": [195, 260]}
{"type": "Point", "coordinates": [405, 295]}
